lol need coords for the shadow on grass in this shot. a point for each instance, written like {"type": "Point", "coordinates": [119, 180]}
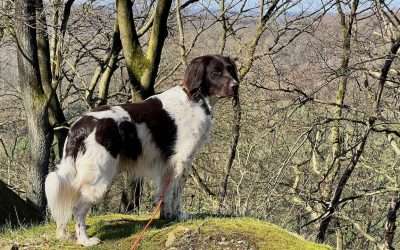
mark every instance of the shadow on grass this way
{"type": "Point", "coordinates": [116, 229]}
{"type": "Point", "coordinates": [122, 228]}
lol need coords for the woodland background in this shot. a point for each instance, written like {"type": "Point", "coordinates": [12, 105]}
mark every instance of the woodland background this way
{"type": "Point", "coordinates": [311, 143]}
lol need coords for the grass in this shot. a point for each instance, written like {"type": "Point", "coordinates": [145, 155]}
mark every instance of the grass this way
{"type": "Point", "coordinates": [117, 231]}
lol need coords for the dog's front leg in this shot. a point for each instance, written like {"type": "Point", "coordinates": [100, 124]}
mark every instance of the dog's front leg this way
{"type": "Point", "coordinates": [173, 183]}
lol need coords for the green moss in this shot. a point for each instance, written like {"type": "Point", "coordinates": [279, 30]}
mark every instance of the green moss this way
{"type": "Point", "coordinates": [22, 144]}
{"type": "Point", "coordinates": [118, 231]}
{"type": "Point", "coordinates": [255, 233]}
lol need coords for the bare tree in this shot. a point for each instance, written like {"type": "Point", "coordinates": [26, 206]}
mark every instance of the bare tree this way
{"type": "Point", "coordinates": [35, 100]}
{"type": "Point", "coordinates": [56, 114]}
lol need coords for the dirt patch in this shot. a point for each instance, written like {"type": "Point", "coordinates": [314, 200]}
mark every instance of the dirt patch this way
{"type": "Point", "coordinates": [187, 239]}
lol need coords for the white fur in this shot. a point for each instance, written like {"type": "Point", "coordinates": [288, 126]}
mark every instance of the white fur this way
{"type": "Point", "coordinates": [193, 124]}
{"type": "Point", "coordinates": [75, 186]}
{"type": "Point", "coordinates": [61, 195]}
{"type": "Point", "coordinates": [116, 113]}
{"type": "Point", "coordinates": [96, 169]}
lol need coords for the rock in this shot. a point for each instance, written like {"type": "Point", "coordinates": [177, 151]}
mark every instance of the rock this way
{"type": "Point", "coordinates": [171, 237]}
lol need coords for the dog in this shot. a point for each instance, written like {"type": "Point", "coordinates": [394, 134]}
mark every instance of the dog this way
{"type": "Point", "coordinates": [157, 138]}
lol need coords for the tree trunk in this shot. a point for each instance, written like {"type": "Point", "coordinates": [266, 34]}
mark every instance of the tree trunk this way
{"type": "Point", "coordinates": [130, 199]}
{"type": "Point", "coordinates": [339, 239]}
{"type": "Point", "coordinates": [233, 147]}
{"type": "Point", "coordinates": [142, 67]}
{"type": "Point", "coordinates": [105, 77]}
{"type": "Point", "coordinates": [390, 226]}
{"type": "Point", "coordinates": [337, 193]}
{"type": "Point", "coordinates": [344, 72]}
{"type": "Point", "coordinates": [15, 210]}
{"type": "Point", "coordinates": [154, 50]}
{"type": "Point", "coordinates": [35, 101]}
{"type": "Point", "coordinates": [133, 53]}
{"type": "Point", "coordinates": [56, 115]}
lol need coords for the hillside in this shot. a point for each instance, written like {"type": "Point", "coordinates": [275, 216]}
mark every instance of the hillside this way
{"type": "Point", "coordinates": [118, 231]}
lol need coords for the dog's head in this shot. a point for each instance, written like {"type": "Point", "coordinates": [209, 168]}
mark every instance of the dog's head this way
{"type": "Point", "coordinates": [211, 75]}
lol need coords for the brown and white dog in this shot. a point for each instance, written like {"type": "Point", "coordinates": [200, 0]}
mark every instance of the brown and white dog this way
{"type": "Point", "coordinates": [157, 138]}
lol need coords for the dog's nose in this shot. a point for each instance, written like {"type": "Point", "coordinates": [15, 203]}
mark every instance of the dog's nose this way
{"type": "Point", "coordinates": [234, 83]}
{"type": "Point", "coordinates": [235, 87]}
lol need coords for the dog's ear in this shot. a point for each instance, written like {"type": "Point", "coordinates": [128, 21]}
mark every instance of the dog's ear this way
{"type": "Point", "coordinates": [194, 76]}
{"type": "Point", "coordinates": [235, 74]}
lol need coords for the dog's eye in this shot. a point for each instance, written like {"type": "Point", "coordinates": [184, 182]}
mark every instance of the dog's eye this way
{"type": "Point", "coordinates": [216, 73]}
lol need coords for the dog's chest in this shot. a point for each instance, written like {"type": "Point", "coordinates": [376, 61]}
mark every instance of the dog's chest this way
{"type": "Point", "coordinates": [192, 122]}
{"type": "Point", "coordinates": [193, 131]}
{"type": "Point", "coordinates": [193, 128]}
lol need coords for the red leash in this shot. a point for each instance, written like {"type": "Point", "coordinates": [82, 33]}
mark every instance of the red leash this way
{"type": "Point", "coordinates": [138, 239]}
{"type": "Point", "coordinates": [136, 244]}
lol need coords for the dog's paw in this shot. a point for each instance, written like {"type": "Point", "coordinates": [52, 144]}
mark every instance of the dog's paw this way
{"type": "Point", "coordinates": [64, 235]}
{"type": "Point", "coordinates": [89, 242]}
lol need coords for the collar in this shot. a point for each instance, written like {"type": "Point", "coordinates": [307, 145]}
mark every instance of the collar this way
{"type": "Point", "coordinates": [198, 97]}
{"type": "Point", "coordinates": [205, 105]}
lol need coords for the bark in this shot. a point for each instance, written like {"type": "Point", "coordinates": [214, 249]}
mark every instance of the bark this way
{"type": "Point", "coordinates": [233, 146]}
{"type": "Point", "coordinates": [110, 67]}
{"type": "Point", "coordinates": [224, 28]}
{"type": "Point", "coordinates": [104, 71]}
{"type": "Point", "coordinates": [251, 47]}
{"type": "Point", "coordinates": [197, 179]}
{"type": "Point", "coordinates": [385, 71]}
{"type": "Point", "coordinates": [14, 210]}
{"type": "Point", "coordinates": [93, 82]}
{"type": "Point", "coordinates": [130, 199]}
{"type": "Point", "coordinates": [337, 193]}
{"type": "Point", "coordinates": [339, 239]}
{"type": "Point", "coordinates": [133, 53]}
{"type": "Point", "coordinates": [58, 40]}
{"type": "Point", "coordinates": [179, 23]}
{"type": "Point", "coordinates": [56, 114]}
{"type": "Point", "coordinates": [154, 50]}
{"type": "Point", "coordinates": [35, 101]}
{"type": "Point", "coordinates": [142, 66]}
{"type": "Point", "coordinates": [344, 72]}
{"type": "Point", "coordinates": [390, 226]}
{"type": "Point", "coordinates": [187, 3]}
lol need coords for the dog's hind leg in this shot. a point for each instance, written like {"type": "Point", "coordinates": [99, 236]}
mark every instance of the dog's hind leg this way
{"type": "Point", "coordinates": [61, 195]}
{"type": "Point", "coordinates": [80, 212]}
{"type": "Point", "coordinates": [90, 194]}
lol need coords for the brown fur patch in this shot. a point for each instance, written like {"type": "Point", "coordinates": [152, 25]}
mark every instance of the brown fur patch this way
{"type": "Point", "coordinates": [161, 125]}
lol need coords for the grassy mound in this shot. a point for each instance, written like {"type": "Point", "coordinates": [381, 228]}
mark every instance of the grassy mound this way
{"type": "Point", "coordinates": [118, 231]}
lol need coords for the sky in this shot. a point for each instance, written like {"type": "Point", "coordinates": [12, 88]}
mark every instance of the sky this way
{"type": "Point", "coordinates": [309, 4]}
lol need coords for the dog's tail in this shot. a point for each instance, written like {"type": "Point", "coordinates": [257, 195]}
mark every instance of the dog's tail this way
{"type": "Point", "coordinates": [60, 193]}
